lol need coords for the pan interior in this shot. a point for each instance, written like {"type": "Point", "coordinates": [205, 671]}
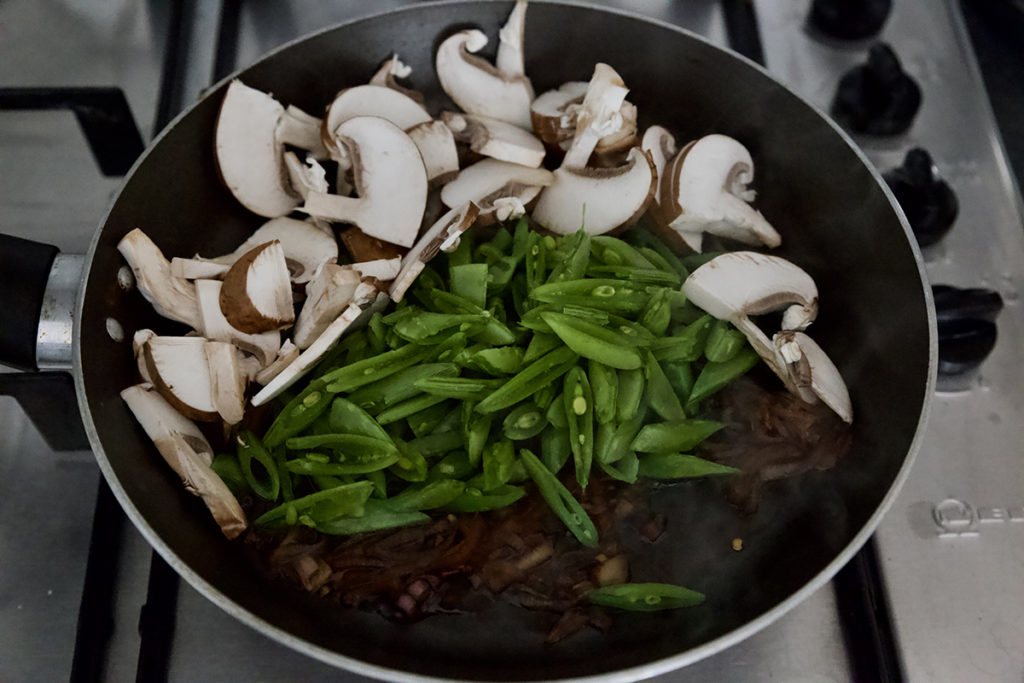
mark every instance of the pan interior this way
{"type": "Point", "coordinates": [835, 220]}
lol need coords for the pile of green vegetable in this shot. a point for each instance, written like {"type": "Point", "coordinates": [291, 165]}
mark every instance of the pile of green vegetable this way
{"type": "Point", "coordinates": [509, 358]}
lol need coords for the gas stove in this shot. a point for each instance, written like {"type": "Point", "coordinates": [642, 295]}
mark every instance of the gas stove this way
{"type": "Point", "coordinates": [936, 595]}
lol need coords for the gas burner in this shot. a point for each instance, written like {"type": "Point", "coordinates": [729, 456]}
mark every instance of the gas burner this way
{"type": "Point", "coordinates": [878, 97]}
{"type": "Point", "coordinates": [849, 19]}
{"type": "Point", "coordinates": [928, 201]}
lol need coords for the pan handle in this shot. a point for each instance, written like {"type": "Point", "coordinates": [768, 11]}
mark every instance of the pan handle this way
{"type": "Point", "coordinates": [25, 268]}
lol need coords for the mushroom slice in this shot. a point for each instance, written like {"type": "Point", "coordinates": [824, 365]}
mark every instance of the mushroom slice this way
{"type": "Point", "coordinates": [180, 372]}
{"type": "Point", "coordinates": [198, 268]}
{"type": "Point", "coordinates": [369, 100]}
{"type": "Point", "coordinates": [214, 326]}
{"type": "Point", "coordinates": [357, 313]}
{"type": "Point", "coordinates": [227, 381]}
{"type": "Point", "coordinates": [388, 74]}
{"type": "Point", "coordinates": [739, 284]}
{"type": "Point", "coordinates": [327, 295]}
{"type": "Point", "coordinates": [495, 139]}
{"type": "Point", "coordinates": [288, 353]}
{"type": "Point", "coordinates": [384, 269]}
{"type": "Point", "coordinates": [249, 153]}
{"type": "Point", "coordinates": [436, 144]}
{"type": "Point", "coordinates": [299, 129]}
{"type": "Point", "coordinates": [139, 340]}
{"type": "Point", "coordinates": [704, 189]}
{"type": "Point", "coordinates": [362, 247]}
{"type": "Point", "coordinates": [812, 369]}
{"type": "Point", "coordinates": [489, 175]}
{"type": "Point", "coordinates": [624, 137]}
{"type": "Point", "coordinates": [598, 116]}
{"type": "Point", "coordinates": [305, 177]}
{"type": "Point", "coordinates": [188, 453]}
{"type": "Point", "coordinates": [305, 247]}
{"type": "Point", "coordinates": [661, 146]}
{"type": "Point", "coordinates": [510, 60]}
{"type": "Point", "coordinates": [443, 235]}
{"type": "Point", "coordinates": [477, 86]}
{"type": "Point", "coordinates": [553, 114]}
{"type": "Point", "coordinates": [389, 177]}
{"type": "Point", "coordinates": [172, 297]}
{"type": "Point", "coordinates": [257, 294]}
{"type": "Point", "coordinates": [598, 200]}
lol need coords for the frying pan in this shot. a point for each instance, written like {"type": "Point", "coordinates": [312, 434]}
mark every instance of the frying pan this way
{"type": "Point", "coordinates": [837, 220]}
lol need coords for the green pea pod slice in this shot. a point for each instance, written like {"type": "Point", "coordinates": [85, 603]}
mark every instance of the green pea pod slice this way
{"type": "Point", "coordinates": [427, 496]}
{"type": "Point", "coordinates": [659, 392]}
{"type": "Point", "coordinates": [556, 413]}
{"type": "Point", "coordinates": [679, 466]}
{"type": "Point", "coordinates": [492, 330]}
{"type": "Point", "coordinates": [613, 251]}
{"type": "Point", "coordinates": [455, 465]}
{"type": "Point", "coordinates": [411, 406]}
{"type": "Point", "coordinates": [639, 276]}
{"type": "Point", "coordinates": [477, 429]}
{"type": "Point", "coordinates": [411, 465]}
{"type": "Point", "coordinates": [251, 448]}
{"type": "Point", "coordinates": [373, 369]}
{"type": "Point", "coordinates": [503, 360]}
{"type": "Point", "coordinates": [540, 344]}
{"type": "Point", "coordinates": [574, 263]}
{"type": "Point", "coordinates": [355, 445]}
{"type": "Point", "coordinates": [579, 413]}
{"type": "Point", "coordinates": [554, 448]}
{"type": "Point", "coordinates": [723, 343]}
{"type": "Point", "coordinates": [462, 388]}
{"type": "Point", "coordinates": [399, 386]}
{"type": "Point", "coordinates": [437, 444]}
{"type": "Point", "coordinates": [524, 422]}
{"type": "Point", "coordinates": [624, 469]}
{"type": "Point", "coordinates": [350, 465]}
{"type": "Point", "coordinates": [658, 314]}
{"type": "Point", "coordinates": [561, 502]}
{"type": "Point", "coordinates": [469, 281]}
{"type": "Point", "coordinates": [299, 413]}
{"type": "Point", "coordinates": [645, 597]}
{"type": "Point", "coordinates": [230, 471]}
{"type": "Point", "coordinates": [536, 261]}
{"type": "Point", "coordinates": [615, 441]}
{"type": "Point", "coordinates": [425, 421]}
{"type": "Point", "coordinates": [594, 341]}
{"type": "Point", "coordinates": [680, 376]}
{"type": "Point", "coordinates": [527, 381]}
{"type": "Point", "coordinates": [475, 500]}
{"type": "Point", "coordinates": [686, 346]}
{"type": "Point", "coordinates": [714, 376]}
{"type": "Point", "coordinates": [348, 499]}
{"type": "Point", "coordinates": [667, 437]}
{"type": "Point", "coordinates": [604, 382]}
{"type": "Point", "coordinates": [631, 393]}
{"type": "Point", "coordinates": [377, 516]}
{"type": "Point", "coordinates": [498, 458]}
{"type": "Point", "coordinates": [348, 418]}
{"type": "Point", "coordinates": [428, 327]}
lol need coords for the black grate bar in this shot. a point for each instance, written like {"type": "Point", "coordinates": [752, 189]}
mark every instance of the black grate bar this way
{"type": "Point", "coordinates": [741, 29]}
{"type": "Point", "coordinates": [103, 115]}
{"type": "Point", "coordinates": [156, 622]}
{"type": "Point", "coordinates": [225, 58]}
{"type": "Point", "coordinates": [176, 51]}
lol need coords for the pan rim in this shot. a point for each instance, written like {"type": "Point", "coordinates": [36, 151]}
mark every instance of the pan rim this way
{"type": "Point", "coordinates": [648, 669]}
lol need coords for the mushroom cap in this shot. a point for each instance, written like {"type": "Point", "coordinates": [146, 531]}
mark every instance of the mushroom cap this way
{"type": "Point", "coordinates": [388, 74]}
{"type": "Point", "coordinates": [552, 114]}
{"type": "Point", "coordinates": [389, 177]}
{"type": "Point", "coordinates": [510, 60]}
{"type": "Point", "coordinates": [371, 100]}
{"type": "Point", "coordinates": [813, 369]}
{"type": "Point", "coordinates": [214, 326]}
{"type": "Point", "coordinates": [227, 381]}
{"type": "Point", "coordinates": [496, 139]}
{"type": "Point", "coordinates": [660, 144]}
{"type": "Point", "coordinates": [477, 86]}
{"type": "Point", "coordinates": [257, 295]}
{"type": "Point", "coordinates": [249, 153]}
{"type": "Point", "coordinates": [739, 284]}
{"type": "Point", "coordinates": [704, 190]}
{"type": "Point", "coordinates": [598, 200]}
{"type": "Point", "coordinates": [436, 145]}
{"type": "Point", "coordinates": [305, 246]}
{"type": "Point", "coordinates": [179, 370]}
{"type": "Point", "coordinates": [598, 116]}
{"type": "Point", "coordinates": [483, 178]}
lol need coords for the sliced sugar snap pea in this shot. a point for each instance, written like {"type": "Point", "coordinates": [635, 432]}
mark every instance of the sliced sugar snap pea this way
{"type": "Point", "coordinates": [679, 466]}
{"type": "Point", "coordinates": [667, 437]}
{"type": "Point", "coordinates": [645, 597]}
{"type": "Point", "coordinates": [659, 393]}
{"type": "Point", "coordinates": [604, 382]}
{"type": "Point", "coordinates": [469, 281]}
{"type": "Point", "coordinates": [714, 376]}
{"type": "Point", "coordinates": [378, 515]}
{"type": "Point", "coordinates": [579, 414]}
{"type": "Point", "coordinates": [427, 496]}
{"type": "Point", "coordinates": [475, 500]}
{"type": "Point", "coordinates": [595, 342]}
{"type": "Point", "coordinates": [561, 502]}
{"type": "Point", "coordinates": [631, 393]}
{"type": "Point", "coordinates": [545, 369]}
{"type": "Point", "coordinates": [525, 421]}
{"type": "Point", "coordinates": [724, 342]}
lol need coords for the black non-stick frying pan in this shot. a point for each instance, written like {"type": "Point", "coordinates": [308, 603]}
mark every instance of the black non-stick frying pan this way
{"type": "Point", "coordinates": [837, 221]}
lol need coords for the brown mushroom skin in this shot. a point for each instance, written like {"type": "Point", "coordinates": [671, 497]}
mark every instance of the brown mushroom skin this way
{"type": "Point", "coordinates": [235, 303]}
{"type": "Point", "coordinates": [168, 394]}
{"type": "Point", "coordinates": [362, 247]}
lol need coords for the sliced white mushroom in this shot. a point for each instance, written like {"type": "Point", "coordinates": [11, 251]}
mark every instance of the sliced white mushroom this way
{"type": "Point", "coordinates": [661, 146]}
{"type": "Point", "coordinates": [305, 177]}
{"type": "Point", "coordinates": [598, 116]}
{"type": "Point", "coordinates": [553, 113]}
{"type": "Point", "coordinates": [477, 86]}
{"type": "Point", "coordinates": [388, 74]}
{"type": "Point", "coordinates": [250, 154]}
{"type": "Point", "coordinates": [257, 293]}
{"type": "Point", "coordinates": [598, 200]}
{"type": "Point", "coordinates": [299, 129]}
{"type": "Point", "coordinates": [362, 247]}
{"type": "Point", "coordinates": [263, 346]}
{"type": "Point", "coordinates": [352, 317]}
{"type": "Point", "coordinates": [813, 370]}
{"type": "Point", "coordinates": [443, 235]}
{"type": "Point", "coordinates": [327, 295]}
{"type": "Point", "coordinates": [198, 268]}
{"type": "Point", "coordinates": [389, 177]}
{"type": "Point", "coordinates": [306, 247]}
{"type": "Point", "coordinates": [139, 340]}
{"type": "Point", "coordinates": [172, 297]}
{"type": "Point", "coordinates": [369, 100]}
{"type": "Point", "coordinates": [179, 370]}
{"type": "Point", "coordinates": [188, 453]}
{"type": "Point", "coordinates": [384, 269]}
{"type": "Point", "coordinates": [289, 352]}
{"type": "Point", "coordinates": [704, 189]}
{"type": "Point", "coordinates": [622, 138]}
{"type": "Point", "coordinates": [436, 145]}
{"type": "Point", "coordinates": [227, 381]}
{"type": "Point", "coordinates": [488, 176]}
{"type": "Point", "coordinates": [740, 284]}
{"type": "Point", "coordinates": [496, 139]}
{"type": "Point", "coordinates": [510, 59]}
{"type": "Point", "coordinates": [250, 366]}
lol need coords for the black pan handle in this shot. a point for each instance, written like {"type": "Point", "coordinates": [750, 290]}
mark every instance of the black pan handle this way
{"type": "Point", "coordinates": [24, 271]}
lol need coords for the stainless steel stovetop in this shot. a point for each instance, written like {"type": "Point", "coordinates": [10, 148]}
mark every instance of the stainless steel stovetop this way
{"type": "Point", "coordinates": [954, 593]}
